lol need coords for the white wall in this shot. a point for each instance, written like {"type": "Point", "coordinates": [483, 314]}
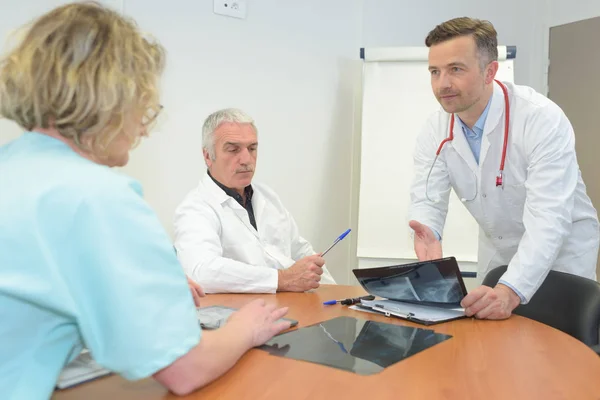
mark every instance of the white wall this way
{"type": "Point", "coordinates": [562, 12]}
{"type": "Point", "coordinates": [518, 22]}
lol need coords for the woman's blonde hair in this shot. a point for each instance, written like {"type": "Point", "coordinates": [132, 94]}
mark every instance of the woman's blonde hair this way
{"type": "Point", "coordinates": [84, 70]}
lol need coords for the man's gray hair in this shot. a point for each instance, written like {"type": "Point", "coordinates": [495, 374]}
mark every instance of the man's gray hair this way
{"type": "Point", "coordinates": [215, 119]}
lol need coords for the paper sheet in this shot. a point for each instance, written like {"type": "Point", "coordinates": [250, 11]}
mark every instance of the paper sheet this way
{"type": "Point", "coordinates": [424, 313]}
{"type": "Point", "coordinates": [81, 369]}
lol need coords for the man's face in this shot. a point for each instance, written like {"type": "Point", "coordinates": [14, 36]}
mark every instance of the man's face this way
{"type": "Point", "coordinates": [457, 79]}
{"type": "Point", "coordinates": [235, 155]}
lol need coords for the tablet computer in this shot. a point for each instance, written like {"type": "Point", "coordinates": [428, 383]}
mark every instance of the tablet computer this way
{"type": "Point", "coordinates": [214, 317]}
{"type": "Point", "coordinates": [435, 282]}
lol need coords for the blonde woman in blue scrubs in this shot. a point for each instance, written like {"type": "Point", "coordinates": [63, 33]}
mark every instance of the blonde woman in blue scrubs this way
{"type": "Point", "coordinates": [84, 261]}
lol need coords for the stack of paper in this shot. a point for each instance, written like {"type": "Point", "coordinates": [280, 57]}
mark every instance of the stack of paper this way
{"type": "Point", "coordinates": [81, 369]}
{"type": "Point", "coordinates": [426, 314]}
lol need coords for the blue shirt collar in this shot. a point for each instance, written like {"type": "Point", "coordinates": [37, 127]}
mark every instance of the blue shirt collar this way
{"type": "Point", "coordinates": [480, 124]}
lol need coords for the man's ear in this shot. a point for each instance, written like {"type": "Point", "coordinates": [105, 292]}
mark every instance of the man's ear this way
{"type": "Point", "coordinates": [207, 158]}
{"type": "Point", "coordinates": [490, 71]}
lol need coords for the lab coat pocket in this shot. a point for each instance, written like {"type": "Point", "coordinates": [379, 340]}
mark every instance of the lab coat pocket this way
{"type": "Point", "coordinates": [276, 230]}
{"type": "Point", "coordinates": [278, 236]}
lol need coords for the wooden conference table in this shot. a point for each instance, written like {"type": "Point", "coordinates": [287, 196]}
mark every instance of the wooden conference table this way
{"type": "Point", "coordinates": [513, 359]}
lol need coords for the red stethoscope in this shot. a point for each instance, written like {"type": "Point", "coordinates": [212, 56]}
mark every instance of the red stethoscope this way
{"type": "Point", "coordinates": [499, 177]}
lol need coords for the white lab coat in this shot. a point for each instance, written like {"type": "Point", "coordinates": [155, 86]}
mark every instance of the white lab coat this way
{"type": "Point", "coordinates": [543, 219]}
{"type": "Point", "coordinates": [220, 249]}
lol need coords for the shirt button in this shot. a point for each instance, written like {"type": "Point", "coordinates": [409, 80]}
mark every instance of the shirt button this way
{"type": "Point", "coordinates": [484, 195]}
{"type": "Point", "coordinates": [500, 237]}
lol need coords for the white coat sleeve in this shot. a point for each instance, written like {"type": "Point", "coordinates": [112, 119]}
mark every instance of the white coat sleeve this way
{"type": "Point", "coordinates": [198, 245]}
{"type": "Point", "coordinates": [552, 176]}
{"type": "Point", "coordinates": [430, 213]}
{"type": "Point", "coordinates": [302, 248]}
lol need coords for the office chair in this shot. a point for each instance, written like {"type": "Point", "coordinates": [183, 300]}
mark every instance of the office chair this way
{"type": "Point", "coordinates": [564, 301]}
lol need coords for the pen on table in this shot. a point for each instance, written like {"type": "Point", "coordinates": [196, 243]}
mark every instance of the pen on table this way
{"type": "Point", "coordinates": [343, 235]}
{"type": "Point", "coordinates": [349, 301]}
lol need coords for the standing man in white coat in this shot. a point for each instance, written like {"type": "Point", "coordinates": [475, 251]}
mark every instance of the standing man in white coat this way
{"type": "Point", "coordinates": [234, 235]}
{"type": "Point", "coordinates": [509, 154]}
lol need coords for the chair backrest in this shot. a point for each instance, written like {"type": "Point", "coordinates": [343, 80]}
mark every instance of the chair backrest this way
{"type": "Point", "coordinates": [564, 301]}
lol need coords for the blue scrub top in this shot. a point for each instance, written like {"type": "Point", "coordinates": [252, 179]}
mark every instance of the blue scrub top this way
{"type": "Point", "coordinates": [84, 261]}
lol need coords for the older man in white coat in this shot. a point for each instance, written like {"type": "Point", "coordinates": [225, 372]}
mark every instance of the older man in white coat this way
{"type": "Point", "coordinates": [234, 235]}
{"type": "Point", "coordinates": [509, 154]}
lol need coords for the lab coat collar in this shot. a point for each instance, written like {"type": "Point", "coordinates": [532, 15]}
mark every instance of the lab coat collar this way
{"type": "Point", "coordinates": [495, 115]}
{"type": "Point", "coordinates": [460, 144]}
{"type": "Point", "coordinates": [215, 190]}
{"type": "Point", "coordinates": [248, 191]}
{"type": "Point", "coordinates": [222, 197]}
{"type": "Point", "coordinates": [496, 111]}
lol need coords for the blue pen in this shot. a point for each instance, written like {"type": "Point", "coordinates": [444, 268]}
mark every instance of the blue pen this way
{"type": "Point", "coordinates": [343, 235]}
